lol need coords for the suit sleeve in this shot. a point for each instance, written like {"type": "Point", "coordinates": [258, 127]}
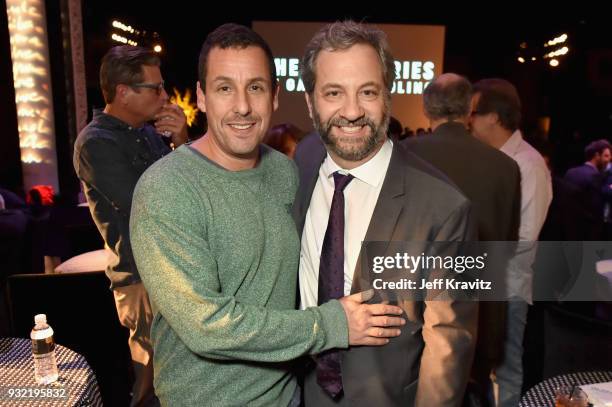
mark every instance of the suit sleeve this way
{"type": "Point", "coordinates": [449, 331]}
{"type": "Point", "coordinates": [607, 187]}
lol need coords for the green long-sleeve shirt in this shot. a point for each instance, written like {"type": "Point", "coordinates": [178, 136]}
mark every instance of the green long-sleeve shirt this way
{"type": "Point", "coordinates": [218, 253]}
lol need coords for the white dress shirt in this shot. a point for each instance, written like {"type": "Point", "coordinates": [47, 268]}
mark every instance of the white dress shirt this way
{"type": "Point", "coordinates": [536, 195]}
{"type": "Point", "coordinates": [360, 197]}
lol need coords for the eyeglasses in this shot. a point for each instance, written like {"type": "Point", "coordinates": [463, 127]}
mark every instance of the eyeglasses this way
{"type": "Point", "coordinates": [157, 87]}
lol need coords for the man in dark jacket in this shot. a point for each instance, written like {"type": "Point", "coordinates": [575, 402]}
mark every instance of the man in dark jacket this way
{"type": "Point", "coordinates": [590, 179]}
{"type": "Point", "coordinates": [110, 155]}
{"type": "Point", "coordinates": [491, 181]}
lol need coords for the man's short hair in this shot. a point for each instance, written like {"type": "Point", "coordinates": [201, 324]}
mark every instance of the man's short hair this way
{"type": "Point", "coordinates": [123, 65]}
{"type": "Point", "coordinates": [596, 147]}
{"type": "Point", "coordinates": [233, 36]}
{"type": "Point", "coordinates": [501, 97]}
{"type": "Point", "coordinates": [448, 100]}
{"type": "Point", "coordinates": [342, 36]}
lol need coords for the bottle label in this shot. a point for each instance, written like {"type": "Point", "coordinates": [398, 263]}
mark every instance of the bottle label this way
{"type": "Point", "coordinates": [42, 346]}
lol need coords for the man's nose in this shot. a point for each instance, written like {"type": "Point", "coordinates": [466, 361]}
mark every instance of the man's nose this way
{"type": "Point", "coordinates": [352, 109]}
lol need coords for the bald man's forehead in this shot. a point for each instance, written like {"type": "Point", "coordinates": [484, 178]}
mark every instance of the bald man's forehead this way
{"type": "Point", "coordinates": [447, 78]}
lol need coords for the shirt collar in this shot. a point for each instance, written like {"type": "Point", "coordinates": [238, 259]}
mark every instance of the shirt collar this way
{"type": "Point", "coordinates": [372, 172]}
{"type": "Point", "coordinates": [110, 121]}
{"type": "Point", "coordinates": [512, 145]}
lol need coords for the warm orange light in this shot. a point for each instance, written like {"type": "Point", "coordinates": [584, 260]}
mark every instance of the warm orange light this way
{"type": "Point", "coordinates": [184, 102]}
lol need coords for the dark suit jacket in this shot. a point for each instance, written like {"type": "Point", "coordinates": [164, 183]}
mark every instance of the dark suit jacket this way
{"type": "Point", "coordinates": [428, 364]}
{"type": "Point", "coordinates": [567, 218]}
{"type": "Point", "coordinates": [607, 186]}
{"type": "Point", "coordinates": [489, 178]}
{"type": "Point", "coordinates": [492, 182]}
{"type": "Point", "coordinates": [590, 182]}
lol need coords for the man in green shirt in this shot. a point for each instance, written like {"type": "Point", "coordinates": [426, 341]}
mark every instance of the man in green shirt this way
{"type": "Point", "coordinates": [218, 252]}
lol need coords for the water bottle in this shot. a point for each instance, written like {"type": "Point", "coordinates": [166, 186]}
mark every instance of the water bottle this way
{"type": "Point", "coordinates": [43, 350]}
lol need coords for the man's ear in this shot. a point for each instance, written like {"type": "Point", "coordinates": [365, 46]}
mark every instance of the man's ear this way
{"type": "Point", "coordinates": [308, 101]}
{"type": "Point", "coordinates": [201, 98]}
{"type": "Point", "coordinates": [121, 92]}
{"type": "Point", "coordinates": [493, 118]}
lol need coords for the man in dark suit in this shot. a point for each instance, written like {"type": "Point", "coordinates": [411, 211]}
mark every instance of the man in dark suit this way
{"type": "Point", "coordinates": [491, 181]}
{"type": "Point", "coordinates": [356, 185]}
{"type": "Point", "coordinates": [607, 194]}
{"type": "Point", "coordinates": [590, 178]}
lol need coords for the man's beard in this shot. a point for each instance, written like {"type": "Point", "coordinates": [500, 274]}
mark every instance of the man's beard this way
{"type": "Point", "coordinates": [351, 151]}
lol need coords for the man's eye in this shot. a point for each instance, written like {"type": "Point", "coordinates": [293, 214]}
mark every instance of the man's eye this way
{"type": "Point", "coordinates": [332, 93]}
{"type": "Point", "coordinates": [256, 88]}
{"type": "Point", "coordinates": [370, 93]}
{"type": "Point", "coordinates": [224, 88]}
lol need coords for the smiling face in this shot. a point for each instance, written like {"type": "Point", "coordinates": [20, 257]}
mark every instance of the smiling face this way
{"type": "Point", "coordinates": [238, 102]}
{"type": "Point", "coordinates": [349, 104]}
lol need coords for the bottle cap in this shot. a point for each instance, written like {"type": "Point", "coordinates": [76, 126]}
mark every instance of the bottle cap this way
{"type": "Point", "coordinates": [40, 319]}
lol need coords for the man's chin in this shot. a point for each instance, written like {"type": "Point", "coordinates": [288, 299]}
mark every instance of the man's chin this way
{"type": "Point", "coordinates": [352, 151]}
{"type": "Point", "coordinates": [245, 149]}
{"type": "Point", "coordinates": [348, 142]}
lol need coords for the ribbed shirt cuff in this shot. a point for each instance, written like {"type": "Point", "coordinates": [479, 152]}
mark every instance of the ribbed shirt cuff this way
{"type": "Point", "coordinates": [335, 325]}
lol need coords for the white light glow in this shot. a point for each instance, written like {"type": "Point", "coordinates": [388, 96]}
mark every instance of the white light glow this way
{"type": "Point", "coordinates": [119, 38]}
{"type": "Point", "coordinates": [31, 158]}
{"type": "Point", "coordinates": [558, 52]}
{"type": "Point", "coordinates": [123, 27]}
{"type": "Point", "coordinates": [123, 40]}
{"type": "Point", "coordinates": [33, 97]}
{"type": "Point", "coordinates": [558, 40]}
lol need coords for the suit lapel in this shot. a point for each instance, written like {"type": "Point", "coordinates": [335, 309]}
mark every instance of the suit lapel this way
{"type": "Point", "coordinates": [309, 162]}
{"type": "Point", "coordinates": [386, 213]}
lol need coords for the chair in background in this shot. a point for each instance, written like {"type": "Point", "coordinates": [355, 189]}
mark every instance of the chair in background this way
{"type": "Point", "coordinates": [96, 260]}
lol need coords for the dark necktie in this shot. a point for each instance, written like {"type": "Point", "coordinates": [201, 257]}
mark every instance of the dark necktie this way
{"type": "Point", "coordinates": [331, 281]}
